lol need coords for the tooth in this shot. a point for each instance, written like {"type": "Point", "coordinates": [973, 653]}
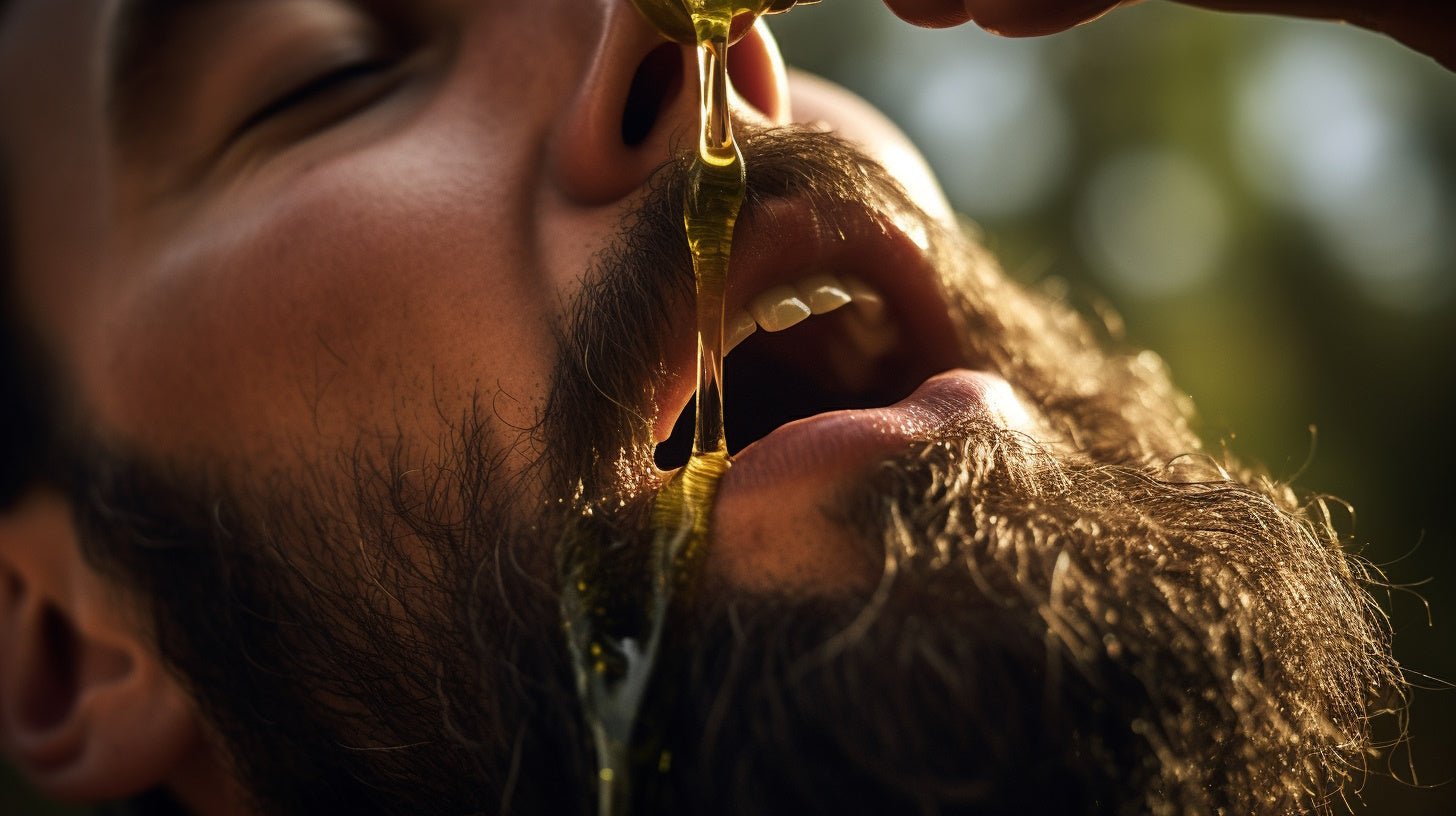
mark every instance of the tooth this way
{"type": "Point", "coordinates": [823, 293]}
{"type": "Point", "coordinates": [736, 329]}
{"type": "Point", "coordinates": [866, 299]}
{"type": "Point", "coordinates": [778, 308]}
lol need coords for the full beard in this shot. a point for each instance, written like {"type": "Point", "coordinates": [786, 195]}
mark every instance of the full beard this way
{"type": "Point", "coordinates": [1049, 635]}
{"type": "Point", "coordinates": [1100, 624]}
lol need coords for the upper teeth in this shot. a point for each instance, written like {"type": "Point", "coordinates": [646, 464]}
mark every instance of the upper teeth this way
{"type": "Point", "coordinates": [780, 307]}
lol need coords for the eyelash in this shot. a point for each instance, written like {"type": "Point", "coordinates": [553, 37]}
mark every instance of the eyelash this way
{"type": "Point", "coordinates": [318, 88]}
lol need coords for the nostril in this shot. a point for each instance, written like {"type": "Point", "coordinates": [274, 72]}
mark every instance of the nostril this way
{"type": "Point", "coordinates": [656, 84]}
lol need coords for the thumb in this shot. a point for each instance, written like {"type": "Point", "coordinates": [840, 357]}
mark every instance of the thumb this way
{"type": "Point", "coordinates": [1427, 26]}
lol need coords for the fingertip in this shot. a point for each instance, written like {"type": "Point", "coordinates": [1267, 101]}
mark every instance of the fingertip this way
{"type": "Point", "coordinates": [1034, 18]}
{"type": "Point", "coordinates": [931, 13]}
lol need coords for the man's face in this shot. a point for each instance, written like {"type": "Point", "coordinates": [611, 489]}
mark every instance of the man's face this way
{"type": "Point", "coordinates": [290, 223]}
{"type": "Point", "coordinates": [358, 311]}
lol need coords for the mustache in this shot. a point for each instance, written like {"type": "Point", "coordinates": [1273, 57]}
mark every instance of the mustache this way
{"type": "Point", "coordinates": [614, 340]}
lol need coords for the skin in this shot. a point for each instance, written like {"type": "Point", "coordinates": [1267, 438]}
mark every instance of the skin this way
{"type": "Point", "coordinates": [1418, 24]}
{"type": "Point", "coordinates": [290, 211]}
{"type": "Point", "coordinates": [252, 296]}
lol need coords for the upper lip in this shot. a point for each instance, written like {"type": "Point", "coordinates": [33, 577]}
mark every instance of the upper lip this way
{"type": "Point", "coordinates": [781, 240]}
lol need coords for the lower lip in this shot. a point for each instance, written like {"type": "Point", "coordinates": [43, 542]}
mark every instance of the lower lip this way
{"type": "Point", "coordinates": [833, 445]}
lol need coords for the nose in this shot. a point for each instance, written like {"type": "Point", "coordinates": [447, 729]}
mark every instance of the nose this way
{"type": "Point", "coordinates": [637, 102]}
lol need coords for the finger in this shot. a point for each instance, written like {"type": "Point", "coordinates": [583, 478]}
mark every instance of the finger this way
{"type": "Point", "coordinates": [1030, 18]}
{"type": "Point", "coordinates": [930, 13]}
{"type": "Point", "coordinates": [1010, 18]}
{"type": "Point", "coordinates": [1428, 27]}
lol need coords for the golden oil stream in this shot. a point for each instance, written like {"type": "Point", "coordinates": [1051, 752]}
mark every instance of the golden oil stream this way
{"type": "Point", "coordinates": [615, 618]}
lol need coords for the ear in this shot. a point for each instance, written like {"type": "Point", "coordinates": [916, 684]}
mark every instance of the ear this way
{"type": "Point", "coordinates": [86, 710]}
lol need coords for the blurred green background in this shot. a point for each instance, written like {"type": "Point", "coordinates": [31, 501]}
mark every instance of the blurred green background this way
{"type": "Point", "coordinates": [1271, 205]}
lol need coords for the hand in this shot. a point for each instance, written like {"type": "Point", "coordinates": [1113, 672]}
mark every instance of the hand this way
{"type": "Point", "coordinates": [1428, 26]}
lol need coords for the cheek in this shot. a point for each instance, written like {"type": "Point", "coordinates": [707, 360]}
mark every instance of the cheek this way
{"type": "Point", "coordinates": [362, 299]}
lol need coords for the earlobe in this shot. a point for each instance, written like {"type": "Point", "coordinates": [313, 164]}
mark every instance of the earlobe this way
{"type": "Point", "coordinates": [86, 710]}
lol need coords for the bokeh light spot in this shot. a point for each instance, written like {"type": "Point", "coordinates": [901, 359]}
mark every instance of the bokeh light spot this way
{"type": "Point", "coordinates": [1153, 223]}
{"type": "Point", "coordinates": [1323, 128]}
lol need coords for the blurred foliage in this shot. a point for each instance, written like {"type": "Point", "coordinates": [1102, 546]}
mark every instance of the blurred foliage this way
{"type": "Point", "coordinates": [1271, 205]}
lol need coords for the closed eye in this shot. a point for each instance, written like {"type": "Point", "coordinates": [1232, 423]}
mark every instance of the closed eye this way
{"type": "Point", "coordinates": [328, 96]}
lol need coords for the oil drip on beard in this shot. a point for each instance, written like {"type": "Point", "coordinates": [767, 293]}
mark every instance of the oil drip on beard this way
{"type": "Point", "coordinates": [616, 604]}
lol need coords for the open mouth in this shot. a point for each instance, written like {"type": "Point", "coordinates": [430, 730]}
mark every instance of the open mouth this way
{"type": "Point", "coordinates": [822, 343]}
{"type": "Point", "coordinates": [821, 320]}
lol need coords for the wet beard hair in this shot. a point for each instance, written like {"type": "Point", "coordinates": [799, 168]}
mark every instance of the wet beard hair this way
{"type": "Point", "coordinates": [1050, 635]}
{"type": "Point", "coordinates": [1101, 626]}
